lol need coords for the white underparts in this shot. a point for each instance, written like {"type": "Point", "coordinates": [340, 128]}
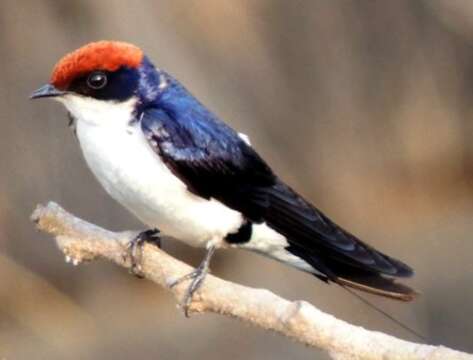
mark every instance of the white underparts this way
{"type": "Point", "coordinates": [124, 163]}
{"type": "Point", "coordinates": [134, 175]}
{"type": "Point", "coordinates": [270, 243]}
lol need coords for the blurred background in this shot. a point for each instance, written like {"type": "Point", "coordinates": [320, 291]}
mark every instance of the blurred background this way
{"type": "Point", "coordinates": [365, 107]}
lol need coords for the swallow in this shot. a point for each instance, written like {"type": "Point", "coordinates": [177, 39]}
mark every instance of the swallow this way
{"type": "Point", "coordinates": [185, 173]}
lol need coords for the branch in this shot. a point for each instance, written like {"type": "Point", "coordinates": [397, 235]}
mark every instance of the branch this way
{"type": "Point", "coordinates": [298, 320]}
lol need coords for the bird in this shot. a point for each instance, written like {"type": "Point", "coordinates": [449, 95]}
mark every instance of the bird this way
{"type": "Point", "coordinates": [184, 173]}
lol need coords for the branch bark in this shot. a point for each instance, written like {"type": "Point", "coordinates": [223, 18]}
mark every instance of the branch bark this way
{"type": "Point", "coordinates": [298, 320]}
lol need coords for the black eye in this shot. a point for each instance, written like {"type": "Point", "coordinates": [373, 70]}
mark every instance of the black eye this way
{"type": "Point", "coordinates": [97, 80]}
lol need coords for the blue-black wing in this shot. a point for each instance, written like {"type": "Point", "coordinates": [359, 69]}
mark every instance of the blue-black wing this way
{"type": "Point", "coordinates": [214, 162]}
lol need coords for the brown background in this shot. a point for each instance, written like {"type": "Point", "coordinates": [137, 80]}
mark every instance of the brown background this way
{"type": "Point", "coordinates": [364, 106]}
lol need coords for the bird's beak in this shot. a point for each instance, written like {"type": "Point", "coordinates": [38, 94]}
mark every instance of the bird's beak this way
{"type": "Point", "coordinates": [47, 90]}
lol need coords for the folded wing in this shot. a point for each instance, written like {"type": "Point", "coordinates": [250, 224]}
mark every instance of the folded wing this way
{"type": "Point", "coordinates": [214, 162]}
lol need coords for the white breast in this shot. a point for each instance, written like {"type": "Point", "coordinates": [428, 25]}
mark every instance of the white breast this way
{"type": "Point", "coordinates": [133, 174]}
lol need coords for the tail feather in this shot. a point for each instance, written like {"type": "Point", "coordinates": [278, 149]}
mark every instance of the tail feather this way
{"type": "Point", "coordinates": [379, 285]}
{"type": "Point", "coordinates": [369, 281]}
{"type": "Point", "coordinates": [345, 274]}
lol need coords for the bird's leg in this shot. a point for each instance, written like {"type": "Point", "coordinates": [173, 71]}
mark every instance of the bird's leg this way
{"type": "Point", "coordinates": [197, 276]}
{"type": "Point", "coordinates": [135, 247]}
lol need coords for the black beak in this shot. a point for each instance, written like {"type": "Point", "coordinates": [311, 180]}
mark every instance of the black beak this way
{"type": "Point", "coordinates": [47, 90]}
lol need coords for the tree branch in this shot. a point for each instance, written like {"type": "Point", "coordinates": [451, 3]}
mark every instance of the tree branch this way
{"type": "Point", "coordinates": [298, 320]}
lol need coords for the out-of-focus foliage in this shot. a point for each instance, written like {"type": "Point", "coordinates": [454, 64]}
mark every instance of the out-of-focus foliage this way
{"type": "Point", "coordinates": [364, 106]}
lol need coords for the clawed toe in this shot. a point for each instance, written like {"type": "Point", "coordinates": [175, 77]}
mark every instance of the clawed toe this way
{"type": "Point", "coordinates": [192, 275]}
{"type": "Point", "coordinates": [135, 247]}
{"type": "Point", "coordinates": [197, 276]}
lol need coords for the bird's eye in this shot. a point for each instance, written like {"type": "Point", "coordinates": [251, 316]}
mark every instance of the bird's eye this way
{"type": "Point", "coordinates": [97, 80]}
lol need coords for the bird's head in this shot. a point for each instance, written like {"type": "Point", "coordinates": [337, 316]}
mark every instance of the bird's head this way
{"type": "Point", "coordinates": [101, 78]}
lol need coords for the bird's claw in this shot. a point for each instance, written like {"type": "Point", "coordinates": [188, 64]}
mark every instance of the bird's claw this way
{"type": "Point", "coordinates": [134, 249]}
{"type": "Point", "coordinates": [197, 276]}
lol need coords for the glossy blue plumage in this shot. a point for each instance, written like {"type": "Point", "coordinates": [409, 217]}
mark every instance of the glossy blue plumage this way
{"type": "Point", "coordinates": [214, 162]}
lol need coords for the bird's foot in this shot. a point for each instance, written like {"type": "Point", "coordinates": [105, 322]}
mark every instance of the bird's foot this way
{"type": "Point", "coordinates": [197, 276]}
{"type": "Point", "coordinates": [134, 249]}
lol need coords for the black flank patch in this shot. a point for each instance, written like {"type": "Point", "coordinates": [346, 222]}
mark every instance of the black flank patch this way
{"type": "Point", "coordinates": [243, 234]}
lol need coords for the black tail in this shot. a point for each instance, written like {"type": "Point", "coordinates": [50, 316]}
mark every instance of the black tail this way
{"type": "Point", "coordinates": [350, 274]}
{"type": "Point", "coordinates": [354, 276]}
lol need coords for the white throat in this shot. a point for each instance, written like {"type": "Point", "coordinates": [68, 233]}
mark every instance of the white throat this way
{"type": "Point", "coordinates": [99, 112]}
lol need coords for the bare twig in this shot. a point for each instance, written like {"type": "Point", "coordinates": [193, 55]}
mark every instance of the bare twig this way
{"type": "Point", "coordinates": [82, 241]}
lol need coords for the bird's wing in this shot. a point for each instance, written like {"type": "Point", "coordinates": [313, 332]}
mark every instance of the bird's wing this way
{"type": "Point", "coordinates": [214, 162]}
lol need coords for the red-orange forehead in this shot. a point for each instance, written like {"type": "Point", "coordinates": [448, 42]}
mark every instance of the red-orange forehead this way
{"type": "Point", "coordinates": [101, 55]}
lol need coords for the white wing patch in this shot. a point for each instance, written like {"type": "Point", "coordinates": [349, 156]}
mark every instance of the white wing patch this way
{"type": "Point", "coordinates": [245, 138]}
